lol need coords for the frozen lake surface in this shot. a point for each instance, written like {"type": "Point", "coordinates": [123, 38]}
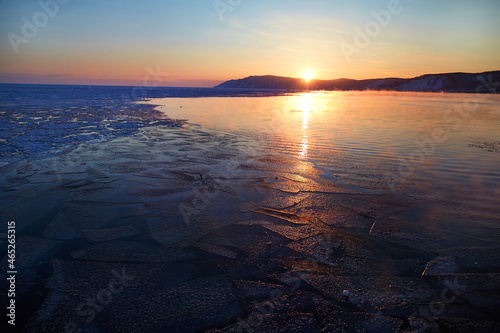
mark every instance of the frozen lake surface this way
{"type": "Point", "coordinates": [266, 212]}
{"type": "Point", "coordinates": [42, 120]}
{"type": "Point", "coordinates": [442, 149]}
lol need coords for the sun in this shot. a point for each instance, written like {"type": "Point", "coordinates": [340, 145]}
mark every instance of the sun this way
{"type": "Point", "coordinates": [307, 75]}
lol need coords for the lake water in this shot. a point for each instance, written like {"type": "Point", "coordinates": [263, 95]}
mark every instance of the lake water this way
{"type": "Point", "coordinates": [37, 120]}
{"type": "Point", "coordinates": [443, 150]}
{"type": "Point", "coordinates": [98, 180]}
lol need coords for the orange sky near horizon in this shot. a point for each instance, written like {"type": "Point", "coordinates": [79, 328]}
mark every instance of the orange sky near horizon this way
{"type": "Point", "coordinates": [198, 44]}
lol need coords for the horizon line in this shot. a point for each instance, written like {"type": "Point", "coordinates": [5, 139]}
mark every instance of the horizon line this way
{"type": "Point", "coordinates": [235, 79]}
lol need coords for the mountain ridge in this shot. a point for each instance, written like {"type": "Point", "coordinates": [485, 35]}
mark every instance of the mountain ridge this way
{"type": "Point", "coordinates": [483, 82]}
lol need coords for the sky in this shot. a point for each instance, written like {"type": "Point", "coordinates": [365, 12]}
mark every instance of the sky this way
{"type": "Point", "coordinates": [201, 43]}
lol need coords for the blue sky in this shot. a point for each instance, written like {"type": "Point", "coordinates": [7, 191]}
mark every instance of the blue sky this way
{"type": "Point", "coordinates": [117, 41]}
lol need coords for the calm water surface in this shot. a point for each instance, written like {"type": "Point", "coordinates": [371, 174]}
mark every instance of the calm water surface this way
{"type": "Point", "coordinates": [441, 149]}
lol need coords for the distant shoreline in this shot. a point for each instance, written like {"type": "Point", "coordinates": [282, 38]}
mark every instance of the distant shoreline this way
{"type": "Point", "coordinates": [485, 82]}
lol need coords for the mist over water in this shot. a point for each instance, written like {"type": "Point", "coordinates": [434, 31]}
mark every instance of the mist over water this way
{"type": "Point", "coordinates": [440, 149]}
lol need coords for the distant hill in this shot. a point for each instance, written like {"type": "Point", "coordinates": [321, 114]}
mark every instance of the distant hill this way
{"type": "Point", "coordinates": [448, 82]}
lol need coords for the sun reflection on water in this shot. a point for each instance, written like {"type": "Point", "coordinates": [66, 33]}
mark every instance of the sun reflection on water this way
{"type": "Point", "coordinates": [305, 105]}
